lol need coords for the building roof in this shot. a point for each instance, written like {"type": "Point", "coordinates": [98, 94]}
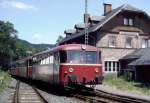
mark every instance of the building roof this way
{"type": "Point", "coordinates": [134, 55]}
{"type": "Point", "coordinates": [141, 56]}
{"type": "Point", "coordinates": [81, 25]}
{"type": "Point", "coordinates": [144, 59]}
{"type": "Point", "coordinates": [106, 18]}
{"type": "Point", "coordinates": [97, 18]}
{"type": "Point", "coordinates": [70, 31]}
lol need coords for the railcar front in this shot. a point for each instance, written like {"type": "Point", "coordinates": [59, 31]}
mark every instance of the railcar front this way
{"type": "Point", "coordinates": [80, 64]}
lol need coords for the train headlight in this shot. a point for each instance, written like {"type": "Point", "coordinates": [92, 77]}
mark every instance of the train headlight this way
{"type": "Point", "coordinates": [70, 69]}
{"type": "Point", "coordinates": [65, 72]}
{"type": "Point", "coordinates": [96, 70]}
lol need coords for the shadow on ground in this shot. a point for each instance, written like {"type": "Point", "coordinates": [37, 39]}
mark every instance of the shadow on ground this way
{"type": "Point", "coordinates": [53, 89]}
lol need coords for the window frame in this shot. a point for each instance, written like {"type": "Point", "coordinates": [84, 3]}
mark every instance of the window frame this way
{"type": "Point", "coordinates": [111, 40]}
{"type": "Point", "coordinates": [111, 66]}
{"type": "Point", "coordinates": [131, 44]}
{"type": "Point", "coordinates": [125, 21]}
{"type": "Point", "coordinates": [145, 43]}
{"type": "Point", "coordinates": [128, 21]}
{"type": "Point", "coordinates": [85, 60]}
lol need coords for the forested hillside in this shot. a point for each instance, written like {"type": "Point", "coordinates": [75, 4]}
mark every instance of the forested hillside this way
{"type": "Point", "coordinates": [34, 48]}
{"type": "Point", "coordinates": [12, 48]}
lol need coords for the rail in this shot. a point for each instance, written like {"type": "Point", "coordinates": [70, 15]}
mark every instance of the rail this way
{"type": "Point", "coordinates": [99, 96]}
{"type": "Point", "coordinates": [27, 94]}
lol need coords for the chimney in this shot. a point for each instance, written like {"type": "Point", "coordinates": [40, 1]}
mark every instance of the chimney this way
{"type": "Point", "coordinates": [86, 18]}
{"type": "Point", "coordinates": [107, 8]}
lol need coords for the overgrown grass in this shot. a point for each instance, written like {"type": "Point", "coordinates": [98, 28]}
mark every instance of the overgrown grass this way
{"type": "Point", "coordinates": [4, 80]}
{"type": "Point", "coordinates": [129, 86]}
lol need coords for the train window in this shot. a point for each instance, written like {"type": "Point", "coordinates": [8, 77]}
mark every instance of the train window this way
{"type": "Point", "coordinates": [63, 56]}
{"type": "Point", "coordinates": [91, 57]}
{"type": "Point", "coordinates": [99, 59]}
{"type": "Point", "coordinates": [82, 57]}
{"type": "Point", "coordinates": [47, 60]}
{"type": "Point", "coordinates": [51, 59]}
{"type": "Point", "coordinates": [75, 57]}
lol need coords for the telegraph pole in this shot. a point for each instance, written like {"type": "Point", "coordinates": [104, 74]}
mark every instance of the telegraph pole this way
{"type": "Point", "coordinates": [86, 22]}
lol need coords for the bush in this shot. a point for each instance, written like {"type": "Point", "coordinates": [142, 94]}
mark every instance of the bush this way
{"type": "Point", "coordinates": [5, 79]}
{"type": "Point", "coordinates": [121, 83]}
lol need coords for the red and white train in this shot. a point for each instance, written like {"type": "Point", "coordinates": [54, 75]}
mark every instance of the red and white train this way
{"type": "Point", "coordinates": [65, 64]}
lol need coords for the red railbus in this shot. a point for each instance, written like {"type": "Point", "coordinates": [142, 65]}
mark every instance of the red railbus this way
{"type": "Point", "coordinates": [22, 68]}
{"type": "Point", "coordinates": [71, 63]}
{"type": "Point", "coordinates": [62, 65]}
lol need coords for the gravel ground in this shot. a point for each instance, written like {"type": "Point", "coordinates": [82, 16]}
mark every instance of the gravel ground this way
{"type": "Point", "coordinates": [113, 90]}
{"type": "Point", "coordinates": [7, 95]}
{"type": "Point", "coordinates": [58, 99]}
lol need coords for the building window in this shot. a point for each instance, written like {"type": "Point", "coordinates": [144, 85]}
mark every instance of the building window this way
{"type": "Point", "coordinates": [125, 21]}
{"type": "Point", "coordinates": [128, 43]}
{"type": "Point", "coordinates": [128, 21]}
{"type": "Point", "coordinates": [106, 67]}
{"type": "Point", "coordinates": [144, 43]}
{"type": "Point", "coordinates": [112, 66]}
{"type": "Point", "coordinates": [112, 41]}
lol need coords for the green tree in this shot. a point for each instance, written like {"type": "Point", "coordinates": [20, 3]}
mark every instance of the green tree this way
{"type": "Point", "coordinates": [60, 38]}
{"type": "Point", "coordinates": [8, 36]}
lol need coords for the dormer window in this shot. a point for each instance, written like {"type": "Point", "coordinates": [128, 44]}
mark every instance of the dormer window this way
{"type": "Point", "coordinates": [128, 21]}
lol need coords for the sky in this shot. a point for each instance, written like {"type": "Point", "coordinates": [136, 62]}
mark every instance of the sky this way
{"type": "Point", "coordinates": [42, 21]}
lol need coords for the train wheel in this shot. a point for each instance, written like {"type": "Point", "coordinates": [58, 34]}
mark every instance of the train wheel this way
{"type": "Point", "coordinates": [93, 85]}
{"type": "Point", "coordinates": [65, 84]}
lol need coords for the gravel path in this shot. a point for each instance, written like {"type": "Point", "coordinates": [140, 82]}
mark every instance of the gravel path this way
{"type": "Point", "coordinates": [7, 95]}
{"type": "Point", "coordinates": [58, 99]}
{"type": "Point", "coordinates": [113, 90]}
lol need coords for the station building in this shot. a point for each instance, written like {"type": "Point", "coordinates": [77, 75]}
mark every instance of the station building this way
{"type": "Point", "coordinates": [116, 33]}
{"type": "Point", "coordinates": [137, 65]}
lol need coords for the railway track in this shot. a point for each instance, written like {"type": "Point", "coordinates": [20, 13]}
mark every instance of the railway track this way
{"type": "Point", "coordinates": [98, 96]}
{"type": "Point", "coordinates": [27, 94]}
{"type": "Point", "coordinates": [119, 98]}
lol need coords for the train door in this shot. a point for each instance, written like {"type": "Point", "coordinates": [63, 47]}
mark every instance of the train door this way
{"type": "Point", "coordinates": [29, 68]}
{"type": "Point", "coordinates": [56, 68]}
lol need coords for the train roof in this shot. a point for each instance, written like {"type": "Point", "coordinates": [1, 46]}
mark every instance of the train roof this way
{"type": "Point", "coordinates": [65, 47]}
{"type": "Point", "coordinates": [22, 60]}
{"type": "Point", "coordinates": [76, 47]}
{"type": "Point", "coordinates": [70, 47]}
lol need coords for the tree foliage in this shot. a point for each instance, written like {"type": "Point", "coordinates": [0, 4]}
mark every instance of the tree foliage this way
{"type": "Point", "coordinates": [12, 48]}
{"type": "Point", "coordinates": [60, 38]}
{"type": "Point", "coordinates": [7, 43]}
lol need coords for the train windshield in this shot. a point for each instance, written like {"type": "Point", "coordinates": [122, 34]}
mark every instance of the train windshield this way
{"type": "Point", "coordinates": [78, 57]}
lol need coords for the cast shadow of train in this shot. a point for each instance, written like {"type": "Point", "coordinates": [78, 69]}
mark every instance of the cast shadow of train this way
{"type": "Point", "coordinates": [143, 85]}
{"type": "Point", "coordinates": [54, 89]}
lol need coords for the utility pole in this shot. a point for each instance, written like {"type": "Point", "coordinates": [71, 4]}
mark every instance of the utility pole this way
{"type": "Point", "coordinates": [86, 22]}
